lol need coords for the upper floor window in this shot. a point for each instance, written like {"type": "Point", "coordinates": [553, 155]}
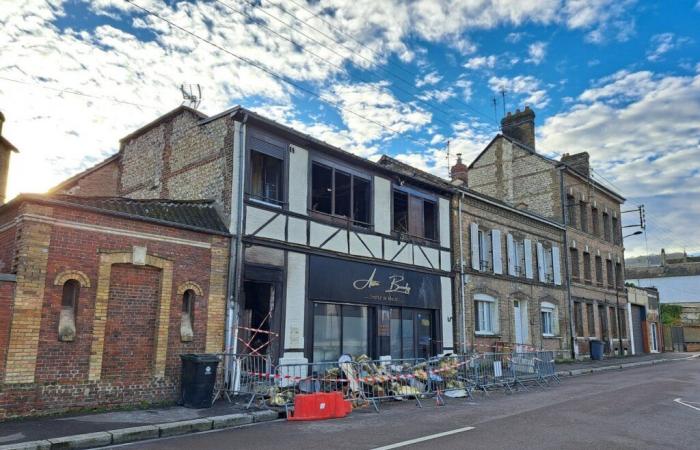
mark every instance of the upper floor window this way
{"type": "Point", "coordinates": [599, 270]}
{"type": "Point", "coordinates": [609, 273]}
{"type": "Point", "coordinates": [266, 175]}
{"type": "Point", "coordinates": [415, 215]}
{"type": "Point", "coordinates": [485, 251]}
{"type": "Point", "coordinates": [587, 267]}
{"type": "Point", "coordinates": [595, 216]}
{"type": "Point", "coordinates": [571, 210]}
{"type": "Point", "coordinates": [519, 258]}
{"type": "Point", "coordinates": [575, 264]}
{"type": "Point", "coordinates": [339, 193]}
{"type": "Point", "coordinates": [618, 275]}
{"type": "Point", "coordinates": [606, 227]}
{"type": "Point", "coordinates": [616, 231]}
{"type": "Point", "coordinates": [583, 213]}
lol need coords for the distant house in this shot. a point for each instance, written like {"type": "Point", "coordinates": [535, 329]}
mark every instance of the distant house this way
{"type": "Point", "coordinates": [676, 278]}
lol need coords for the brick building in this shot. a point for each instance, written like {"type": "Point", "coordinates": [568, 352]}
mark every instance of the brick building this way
{"type": "Point", "coordinates": [510, 169]}
{"type": "Point", "coordinates": [99, 297]}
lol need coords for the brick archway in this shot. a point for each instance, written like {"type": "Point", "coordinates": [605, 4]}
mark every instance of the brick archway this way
{"type": "Point", "coordinates": [135, 257]}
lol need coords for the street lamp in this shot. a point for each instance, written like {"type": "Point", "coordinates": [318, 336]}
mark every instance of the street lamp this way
{"type": "Point", "coordinates": [633, 234]}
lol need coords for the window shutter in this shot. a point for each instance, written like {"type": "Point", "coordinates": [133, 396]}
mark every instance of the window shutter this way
{"type": "Point", "coordinates": [496, 245]}
{"type": "Point", "coordinates": [510, 248]}
{"type": "Point", "coordinates": [528, 258]}
{"type": "Point", "coordinates": [474, 239]}
{"type": "Point", "coordinates": [540, 262]}
{"type": "Point", "coordinates": [556, 266]}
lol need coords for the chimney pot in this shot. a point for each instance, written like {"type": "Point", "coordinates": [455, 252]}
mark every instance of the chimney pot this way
{"type": "Point", "coordinates": [459, 170]}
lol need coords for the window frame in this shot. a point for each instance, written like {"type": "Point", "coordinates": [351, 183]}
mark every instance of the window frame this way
{"type": "Point", "coordinates": [273, 148]}
{"type": "Point", "coordinates": [492, 303]}
{"type": "Point", "coordinates": [414, 195]}
{"type": "Point", "coordinates": [575, 264]}
{"type": "Point", "coordinates": [341, 315]}
{"type": "Point", "coordinates": [551, 309]}
{"type": "Point", "coordinates": [333, 216]}
{"type": "Point", "coordinates": [189, 298]}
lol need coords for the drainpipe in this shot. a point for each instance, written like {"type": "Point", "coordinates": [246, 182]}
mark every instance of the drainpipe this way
{"type": "Point", "coordinates": [463, 325]}
{"type": "Point", "coordinates": [236, 255]}
{"type": "Point", "coordinates": [569, 301]}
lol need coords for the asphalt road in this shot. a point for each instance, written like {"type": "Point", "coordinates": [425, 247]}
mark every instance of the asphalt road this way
{"type": "Point", "coordinates": [633, 409]}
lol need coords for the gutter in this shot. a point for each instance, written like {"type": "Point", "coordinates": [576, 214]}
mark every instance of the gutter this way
{"type": "Point", "coordinates": [463, 324]}
{"type": "Point", "coordinates": [235, 255]}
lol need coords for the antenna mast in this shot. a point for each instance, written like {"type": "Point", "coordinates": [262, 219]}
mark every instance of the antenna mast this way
{"type": "Point", "coordinates": [191, 94]}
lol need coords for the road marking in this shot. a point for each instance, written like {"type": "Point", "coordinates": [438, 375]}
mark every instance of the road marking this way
{"type": "Point", "coordinates": [424, 438]}
{"type": "Point", "coordinates": [678, 400]}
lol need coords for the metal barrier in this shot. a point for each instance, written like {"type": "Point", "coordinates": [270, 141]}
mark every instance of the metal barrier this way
{"type": "Point", "coordinates": [247, 375]}
{"type": "Point", "coordinates": [546, 367]}
{"type": "Point", "coordinates": [524, 369]}
{"type": "Point", "coordinates": [449, 376]}
{"type": "Point", "coordinates": [393, 379]}
{"type": "Point", "coordinates": [492, 370]}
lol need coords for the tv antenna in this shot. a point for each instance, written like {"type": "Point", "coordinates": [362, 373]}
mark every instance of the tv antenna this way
{"type": "Point", "coordinates": [191, 94]}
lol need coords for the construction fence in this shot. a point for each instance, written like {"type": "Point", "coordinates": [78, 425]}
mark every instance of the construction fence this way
{"type": "Point", "coordinates": [368, 383]}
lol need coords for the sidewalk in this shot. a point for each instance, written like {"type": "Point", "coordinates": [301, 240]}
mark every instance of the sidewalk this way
{"type": "Point", "coordinates": [619, 362]}
{"type": "Point", "coordinates": [152, 423]}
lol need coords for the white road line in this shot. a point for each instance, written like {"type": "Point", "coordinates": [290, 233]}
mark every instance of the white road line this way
{"type": "Point", "coordinates": [424, 438]}
{"type": "Point", "coordinates": [678, 400]}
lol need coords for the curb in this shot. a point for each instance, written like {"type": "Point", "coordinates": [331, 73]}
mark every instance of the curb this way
{"type": "Point", "coordinates": [135, 434]}
{"type": "Point", "coordinates": [586, 371]}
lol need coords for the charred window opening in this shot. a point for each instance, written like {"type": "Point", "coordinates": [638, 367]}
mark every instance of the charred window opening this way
{"type": "Point", "coordinates": [340, 194]}
{"type": "Point", "coordinates": [429, 220]}
{"type": "Point", "coordinates": [415, 216]}
{"type": "Point", "coordinates": [587, 267]}
{"type": "Point", "coordinates": [609, 270]}
{"type": "Point", "coordinates": [595, 216]}
{"type": "Point", "coordinates": [400, 212]}
{"type": "Point", "coordinates": [571, 210]}
{"type": "Point", "coordinates": [361, 198]}
{"type": "Point", "coordinates": [266, 177]}
{"type": "Point", "coordinates": [322, 189]}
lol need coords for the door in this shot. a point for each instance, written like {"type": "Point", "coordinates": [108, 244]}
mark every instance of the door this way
{"type": "Point", "coordinates": [520, 318]}
{"type": "Point", "coordinates": [677, 339]}
{"type": "Point", "coordinates": [424, 334]}
{"type": "Point", "coordinates": [637, 330]}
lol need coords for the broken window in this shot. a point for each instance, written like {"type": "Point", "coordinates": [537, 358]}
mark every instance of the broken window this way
{"type": "Point", "coordinates": [187, 318]}
{"type": "Point", "coordinates": [266, 177]}
{"type": "Point", "coordinates": [69, 305]}
{"type": "Point", "coordinates": [341, 194]}
{"type": "Point", "coordinates": [415, 215]}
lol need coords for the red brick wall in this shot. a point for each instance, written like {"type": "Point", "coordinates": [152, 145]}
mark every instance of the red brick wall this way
{"type": "Point", "coordinates": [7, 290]}
{"type": "Point", "coordinates": [7, 242]}
{"type": "Point", "coordinates": [61, 382]}
{"type": "Point", "coordinates": [102, 182]}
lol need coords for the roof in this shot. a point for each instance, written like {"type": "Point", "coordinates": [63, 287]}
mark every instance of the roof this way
{"type": "Point", "coordinates": [7, 144]}
{"type": "Point", "coordinates": [84, 173]}
{"type": "Point", "coordinates": [195, 215]}
{"type": "Point", "coordinates": [554, 162]}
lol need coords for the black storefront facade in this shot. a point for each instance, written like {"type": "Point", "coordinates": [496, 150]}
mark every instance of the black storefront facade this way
{"type": "Point", "coordinates": [377, 310]}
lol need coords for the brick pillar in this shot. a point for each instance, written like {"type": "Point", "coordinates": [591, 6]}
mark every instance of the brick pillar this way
{"type": "Point", "coordinates": [32, 258]}
{"type": "Point", "coordinates": [216, 304]}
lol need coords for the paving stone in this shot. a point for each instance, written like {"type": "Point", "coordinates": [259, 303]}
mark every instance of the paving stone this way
{"type": "Point", "coordinates": [231, 420]}
{"type": "Point", "coordinates": [87, 440]}
{"type": "Point", "coordinates": [134, 434]}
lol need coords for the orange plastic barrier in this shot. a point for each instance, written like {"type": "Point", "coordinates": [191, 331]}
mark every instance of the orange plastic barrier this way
{"type": "Point", "coordinates": [320, 406]}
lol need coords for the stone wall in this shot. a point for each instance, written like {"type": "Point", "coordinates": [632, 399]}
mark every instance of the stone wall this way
{"type": "Point", "coordinates": [44, 375]}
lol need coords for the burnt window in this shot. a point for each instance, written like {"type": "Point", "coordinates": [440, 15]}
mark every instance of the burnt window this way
{"type": "Point", "coordinates": [266, 177]}
{"type": "Point", "coordinates": [340, 194]}
{"type": "Point", "coordinates": [587, 267]}
{"type": "Point", "coordinates": [187, 317]}
{"type": "Point", "coordinates": [69, 306]}
{"type": "Point", "coordinates": [599, 270]}
{"type": "Point", "coordinates": [575, 265]}
{"type": "Point", "coordinates": [415, 215]}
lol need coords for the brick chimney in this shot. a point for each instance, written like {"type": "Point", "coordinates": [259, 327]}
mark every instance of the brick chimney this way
{"type": "Point", "coordinates": [520, 126]}
{"type": "Point", "coordinates": [580, 162]}
{"type": "Point", "coordinates": [458, 172]}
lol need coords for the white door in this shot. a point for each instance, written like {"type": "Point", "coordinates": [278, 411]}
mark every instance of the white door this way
{"type": "Point", "coordinates": [520, 317]}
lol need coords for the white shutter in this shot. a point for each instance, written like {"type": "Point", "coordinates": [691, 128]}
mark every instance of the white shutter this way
{"type": "Point", "coordinates": [496, 245]}
{"type": "Point", "coordinates": [528, 258]}
{"type": "Point", "coordinates": [474, 240]}
{"type": "Point", "coordinates": [540, 262]}
{"type": "Point", "coordinates": [510, 248]}
{"type": "Point", "coordinates": [556, 266]}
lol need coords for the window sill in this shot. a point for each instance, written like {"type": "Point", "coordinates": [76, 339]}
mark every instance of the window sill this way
{"type": "Point", "coordinates": [415, 239]}
{"type": "Point", "coordinates": [551, 336]}
{"type": "Point", "coordinates": [486, 334]}
{"type": "Point", "coordinates": [265, 203]}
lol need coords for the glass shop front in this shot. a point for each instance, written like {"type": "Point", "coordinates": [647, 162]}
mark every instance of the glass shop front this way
{"type": "Point", "coordinates": [375, 310]}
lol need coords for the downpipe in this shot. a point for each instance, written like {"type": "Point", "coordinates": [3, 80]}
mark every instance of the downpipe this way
{"type": "Point", "coordinates": [463, 325]}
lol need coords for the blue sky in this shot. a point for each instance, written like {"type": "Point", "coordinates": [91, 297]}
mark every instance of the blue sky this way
{"type": "Point", "coordinates": [617, 78]}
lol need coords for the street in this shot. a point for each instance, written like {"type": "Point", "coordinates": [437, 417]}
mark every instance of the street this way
{"type": "Point", "coordinates": [648, 407]}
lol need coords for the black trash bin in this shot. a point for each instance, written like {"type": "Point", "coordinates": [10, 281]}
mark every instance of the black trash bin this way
{"type": "Point", "coordinates": [198, 379]}
{"type": "Point", "coordinates": [597, 350]}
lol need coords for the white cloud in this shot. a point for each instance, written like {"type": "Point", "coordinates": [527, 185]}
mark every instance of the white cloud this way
{"type": "Point", "coordinates": [481, 62]}
{"type": "Point", "coordinates": [466, 87]}
{"type": "Point", "coordinates": [602, 18]}
{"type": "Point", "coordinates": [662, 44]}
{"type": "Point", "coordinates": [439, 95]}
{"type": "Point", "coordinates": [642, 132]}
{"type": "Point", "coordinates": [514, 38]}
{"type": "Point", "coordinates": [536, 52]}
{"type": "Point", "coordinates": [429, 79]}
{"type": "Point", "coordinates": [526, 89]}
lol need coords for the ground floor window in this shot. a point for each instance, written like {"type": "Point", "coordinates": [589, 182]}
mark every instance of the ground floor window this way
{"type": "Point", "coordinates": [411, 333]}
{"type": "Point", "coordinates": [485, 314]}
{"type": "Point", "coordinates": [339, 329]}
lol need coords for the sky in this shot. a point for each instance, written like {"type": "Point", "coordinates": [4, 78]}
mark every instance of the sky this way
{"type": "Point", "coordinates": [619, 79]}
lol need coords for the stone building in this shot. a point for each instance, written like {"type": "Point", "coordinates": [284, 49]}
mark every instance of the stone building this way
{"type": "Point", "coordinates": [511, 170]}
{"type": "Point", "coordinates": [99, 296]}
{"type": "Point", "coordinates": [644, 322]}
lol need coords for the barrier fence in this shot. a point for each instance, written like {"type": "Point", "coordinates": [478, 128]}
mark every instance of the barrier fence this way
{"type": "Point", "coordinates": [367, 382]}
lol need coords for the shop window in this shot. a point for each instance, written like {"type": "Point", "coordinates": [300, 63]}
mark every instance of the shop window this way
{"type": "Point", "coordinates": [340, 194]}
{"type": "Point", "coordinates": [187, 317]}
{"type": "Point", "coordinates": [575, 265]}
{"type": "Point", "coordinates": [485, 314]}
{"type": "Point", "coordinates": [69, 306]}
{"type": "Point", "coordinates": [339, 329]}
{"type": "Point", "coordinates": [583, 213]}
{"type": "Point", "coordinates": [587, 267]}
{"type": "Point", "coordinates": [599, 270]}
{"type": "Point", "coordinates": [609, 273]}
{"type": "Point", "coordinates": [266, 177]}
{"type": "Point", "coordinates": [549, 319]}
{"type": "Point", "coordinates": [415, 216]}
{"type": "Point", "coordinates": [591, 320]}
